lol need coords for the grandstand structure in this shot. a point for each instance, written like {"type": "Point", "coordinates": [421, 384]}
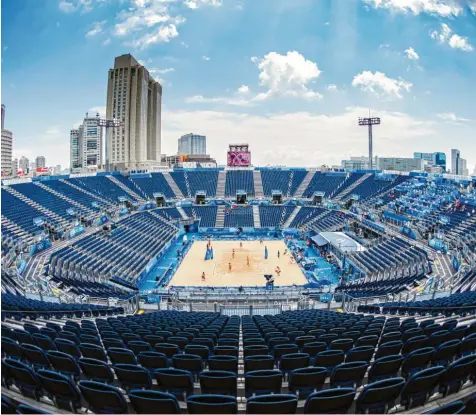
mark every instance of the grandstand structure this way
{"type": "Point", "coordinates": [98, 312]}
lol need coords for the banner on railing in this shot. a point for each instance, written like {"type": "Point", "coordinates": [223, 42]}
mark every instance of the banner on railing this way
{"type": "Point", "coordinates": [39, 246]}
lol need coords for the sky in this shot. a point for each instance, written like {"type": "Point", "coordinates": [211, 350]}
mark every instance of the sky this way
{"type": "Point", "coordinates": [289, 77]}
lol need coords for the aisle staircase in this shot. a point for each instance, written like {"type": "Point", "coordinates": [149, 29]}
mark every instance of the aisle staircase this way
{"type": "Point", "coordinates": [294, 213]}
{"type": "Point", "coordinates": [258, 184]}
{"type": "Point", "coordinates": [129, 191]}
{"type": "Point", "coordinates": [349, 189]}
{"type": "Point", "coordinates": [220, 221]}
{"type": "Point", "coordinates": [30, 202]}
{"type": "Point", "coordinates": [182, 213]}
{"type": "Point", "coordinates": [304, 184]}
{"type": "Point", "coordinates": [90, 194]}
{"type": "Point", "coordinates": [187, 185]}
{"type": "Point", "coordinates": [221, 184]}
{"type": "Point", "coordinates": [67, 199]}
{"type": "Point", "coordinates": [178, 193]}
{"type": "Point", "coordinates": [308, 225]}
{"type": "Point", "coordinates": [256, 218]}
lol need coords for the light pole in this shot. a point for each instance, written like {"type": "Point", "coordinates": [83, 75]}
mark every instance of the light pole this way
{"type": "Point", "coordinates": [370, 121]}
{"type": "Point", "coordinates": [109, 125]}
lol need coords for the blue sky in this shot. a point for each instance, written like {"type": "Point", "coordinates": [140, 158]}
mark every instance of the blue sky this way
{"type": "Point", "coordinates": [288, 77]}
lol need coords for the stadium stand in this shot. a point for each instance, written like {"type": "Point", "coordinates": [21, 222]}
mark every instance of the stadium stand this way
{"type": "Point", "coordinates": [122, 252]}
{"type": "Point", "coordinates": [190, 182]}
{"type": "Point", "coordinates": [206, 214]}
{"type": "Point", "coordinates": [143, 363]}
{"type": "Point", "coordinates": [102, 186]}
{"type": "Point", "coordinates": [153, 183]}
{"type": "Point", "coordinates": [240, 216]}
{"type": "Point", "coordinates": [286, 181]}
{"type": "Point", "coordinates": [274, 216]}
{"type": "Point", "coordinates": [239, 180]}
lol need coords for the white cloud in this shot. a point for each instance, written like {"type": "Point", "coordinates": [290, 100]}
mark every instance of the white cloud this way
{"type": "Point", "coordinates": [303, 127]}
{"type": "Point", "coordinates": [451, 116]}
{"type": "Point", "coordinates": [472, 6]}
{"type": "Point", "coordinates": [287, 75]}
{"type": "Point", "coordinates": [332, 87]}
{"type": "Point", "coordinates": [184, 44]}
{"type": "Point", "coordinates": [243, 89]}
{"type": "Point", "coordinates": [107, 41]}
{"type": "Point", "coordinates": [411, 54]}
{"type": "Point", "coordinates": [445, 36]}
{"type": "Point", "coordinates": [199, 99]}
{"type": "Point", "coordinates": [163, 35]}
{"type": "Point", "coordinates": [378, 83]}
{"type": "Point", "coordinates": [444, 8]}
{"type": "Point", "coordinates": [205, 58]}
{"type": "Point", "coordinates": [144, 16]}
{"type": "Point", "coordinates": [96, 29]}
{"type": "Point", "coordinates": [282, 76]}
{"type": "Point", "coordinates": [67, 6]}
{"type": "Point", "coordinates": [84, 6]}
{"type": "Point", "coordinates": [195, 4]}
{"type": "Point", "coordinates": [161, 71]}
{"type": "Point", "coordinates": [99, 109]}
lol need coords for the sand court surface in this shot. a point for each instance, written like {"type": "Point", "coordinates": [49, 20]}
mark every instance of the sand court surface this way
{"type": "Point", "coordinates": [218, 274]}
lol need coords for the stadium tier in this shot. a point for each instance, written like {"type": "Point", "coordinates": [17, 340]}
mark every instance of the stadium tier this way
{"type": "Point", "coordinates": [311, 361]}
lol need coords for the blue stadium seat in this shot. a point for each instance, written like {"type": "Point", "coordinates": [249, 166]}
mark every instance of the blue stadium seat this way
{"type": "Point", "coordinates": [150, 401]}
{"type": "Point", "coordinates": [212, 404]}
{"type": "Point", "coordinates": [330, 401]}
{"type": "Point", "coordinates": [175, 381]}
{"type": "Point", "coordinates": [271, 404]}
{"type": "Point", "coordinates": [96, 370]}
{"type": "Point", "coordinates": [385, 368]}
{"type": "Point", "coordinates": [23, 377]}
{"type": "Point", "coordinates": [218, 382]}
{"type": "Point", "coordinates": [303, 382]}
{"type": "Point", "coordinates": [103, 398]}
{"type": "Point", "coordinates": [263, 382]}
{"type": "Point", "coordinates": [133, 376]}
{"type": "Point", "coordinates": [64, 363]}
{"type": "Point", "coordinates": [61, 389]}
{"type": "Point", "coordinates": [420, 386]}
{"type": "Point", "coordinates": [379, 397]}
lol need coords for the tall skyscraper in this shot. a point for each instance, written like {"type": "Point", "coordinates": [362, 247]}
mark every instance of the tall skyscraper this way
{"type": "Point", "coordinates": [7, 144]}
{"type": "Point", "coordinates": [24, 164]}
{"type": "Point", "coordinates": [14, 167]}
{"type": "Point", "coordinates": [134, 98]}
{"type": "Point", "coordinates": [75, 137]}
{"type": "Point", "coordinates": [192, 144]}
{"type": "Point", "coordinates": [40, 162]}
{"type": "Point", "coordinates": [455, 163]}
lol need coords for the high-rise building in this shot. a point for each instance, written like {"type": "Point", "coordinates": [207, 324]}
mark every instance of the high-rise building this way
{"type": "Point", "coordinates": [75, 137]}
{"type": "Point", "coordinates": [7, 144]}
{"type": "Point", "coordinates": [134, 98]}
{"type": "Point", "coordinates": [437, 159]}
{"type": "Point", "coordinates": [85, 144]}
{"type": "Point", "coordinates": [401, 164]}
{"type": "Point", "coordinates": [455, 163]}
{"type": "Point", "coordinates": [32, 165]}
{"type": "Point", "coordinates": [462, 169]}
{"type": "Point", "coordinates": [24, 164]}
{"type": "Point", "coordinates": [192, 144]}
{"type": "Point", "coordinates": [40, 162]}
{"type": "Point", "coordinates": [14, 167]}
{"type": "Point", "coordinates": [57, 169]}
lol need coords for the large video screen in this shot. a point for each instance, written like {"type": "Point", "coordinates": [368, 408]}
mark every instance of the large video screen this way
{"type": "Point", "coordinates": [239, 158]}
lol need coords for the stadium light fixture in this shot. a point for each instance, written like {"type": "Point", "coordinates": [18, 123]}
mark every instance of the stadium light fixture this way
{"type": "Point", "coordinates": [369, 122]}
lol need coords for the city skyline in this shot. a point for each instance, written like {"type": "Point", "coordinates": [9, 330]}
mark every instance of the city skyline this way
{"type": "Point", "coordinates": [298, 82]}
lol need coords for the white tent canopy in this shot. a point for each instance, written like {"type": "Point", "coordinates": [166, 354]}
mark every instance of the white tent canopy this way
{"type": "Point", "coordinates": [339, 240]}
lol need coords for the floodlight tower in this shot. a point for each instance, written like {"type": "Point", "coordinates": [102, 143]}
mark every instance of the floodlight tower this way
{"type": "Point", "coordinates": [109, 125]}
{"type": "Point", "coordinates": [370, 121]}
